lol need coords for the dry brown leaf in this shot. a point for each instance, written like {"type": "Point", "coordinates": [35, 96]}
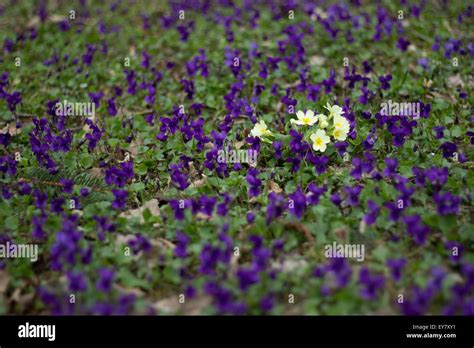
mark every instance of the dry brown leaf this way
{"type": "Point", "coordinates": [292, 84]}
{"type": "Point", "coordinates": [152, 205]}
{"type": "Point", "coordinates": [234, 263]}
{"type": "Point", "coordinates": [239, 144]}
{"type": "Point", "coordinates": [196, 305]}
{"type": "Point", "coordinates": [200, 182]}
{"type": "Point", "coordinates": [253, 200]}
{"type": "Point", "coordinates": [291, 264]}
{"type": "Point", "coordinates": [166, 243]}
{"type": "Point", "coordinates": [317, 60]}
{"type": "Point", "coordinates": [190, 306]}
{"type": "Point", "coordinates": [129, 291]}
{"type": "Point", "coordinates": [96, 172]}
{"type": "Point", "coordinates": [202, 216]}
{"type": "Point", "coordinates": [439, 96]}
{"type": "Point", "coordinates": [192, 170]}
{"type": "Point", "coordinates": [22, 299]}
{"type": "Point", "coordinates": [123, 238]}
{"type": "Point", "coordinates": [133, 148]}
{"type": "Point", "coordinates": [35, 20]}
{"type": "Point", "coordinates": [78, 212]}
{"type": "Point", "coordinates": [86, 127]}
{"type": "Point", "coordinates": [4, 281]}
{"type": "Point", "coordinates": [454, 81]}
{"type": "Point", "coordinates": [362, 226]}
{"type": "Point", "coordinates": [342, 233]}
{"type": "Point", "coordinates": [11, 128]}
{"type": "Point", "coordinates": [280, 106]}
{"type": "Point", "coordinates": [167, 305]}
{"type": "Point", "coordinates": [274, 187]}
{"type": "Point", "coordinates": [159, 243]}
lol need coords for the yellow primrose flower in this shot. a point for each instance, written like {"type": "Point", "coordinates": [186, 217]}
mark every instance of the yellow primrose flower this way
{"type": "Point", "coordinates": [323, 120]}
{"type": "Point", "coordinates": [260, 130]}
{"type": "Point", "coordinates": [319, 139]}
{"type": "Point", "coordinates": [334, 111]}
{"type": "Point", "coordinates": [341, 123]}
{"type": "Point", "coordinates": [341, 128]}
{"type": "Point", "coordinates": [340, 134]}
{"type": "Point", "coordinates": [320, 13]}
{"type": "Point", "coordinates": [307, 119]}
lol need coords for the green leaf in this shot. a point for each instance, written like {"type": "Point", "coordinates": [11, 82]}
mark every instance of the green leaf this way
{"type": "Point", "coordinates": [141, 169]}
{"type": "Point", "coordinates": [137, 186]}
{"type": "Point", "coordinates": [86, 160]}
{"type": "Point", "coordinates": [11, 222]}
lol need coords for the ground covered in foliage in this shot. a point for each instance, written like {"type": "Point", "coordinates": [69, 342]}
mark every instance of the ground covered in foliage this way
{"type": "Point", "coordinates": [230, 143]}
